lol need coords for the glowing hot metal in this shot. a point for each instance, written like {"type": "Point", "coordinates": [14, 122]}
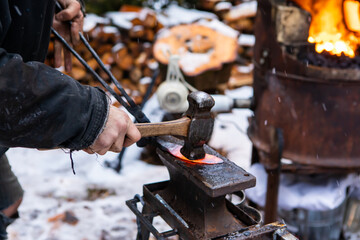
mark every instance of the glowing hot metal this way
{"type": "Point", "coordinates": [208, 159]}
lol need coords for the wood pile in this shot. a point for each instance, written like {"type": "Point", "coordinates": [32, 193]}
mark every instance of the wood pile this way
{"type": "Point", "coordinates": [204, 60]}
{"type": "Point", "coordinates": [126, 52]}
{"type": "Point", "coordinates": [125, 45]}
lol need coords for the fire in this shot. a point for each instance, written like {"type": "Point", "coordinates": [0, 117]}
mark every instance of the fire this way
{"type": "Point", "coordinates": [334, 25]}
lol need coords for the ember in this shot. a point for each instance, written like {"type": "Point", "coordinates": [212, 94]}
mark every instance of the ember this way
{"type": "Point", "coordinates": [209, 159]}
{"type": "Point", "coordinates": [330, 24]}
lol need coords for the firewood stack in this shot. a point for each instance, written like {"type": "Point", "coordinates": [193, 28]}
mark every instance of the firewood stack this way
{"type": "Point", "coordinates": [126, 52]}
{"type": "Point", "coordinates": [239, 15]}
{"type": "Point", "coordinates": [207, 51]}
{"type": "Point", "coordinates": [124, 41]}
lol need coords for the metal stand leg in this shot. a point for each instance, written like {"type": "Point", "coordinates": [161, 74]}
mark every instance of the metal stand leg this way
{"type": "Point", "coordinates": [143, 232]}
{"type": "Point", "coordinates": [273, 168]}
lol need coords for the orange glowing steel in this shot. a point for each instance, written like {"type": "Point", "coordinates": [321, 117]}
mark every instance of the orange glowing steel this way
{"type": "Point", "coordinates": [330, 24]}
{"type": "Point", "coordinates": [209, 159]}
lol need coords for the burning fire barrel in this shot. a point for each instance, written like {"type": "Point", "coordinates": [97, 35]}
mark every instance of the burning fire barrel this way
{"type": "Point", "coordinates": [307, 81]}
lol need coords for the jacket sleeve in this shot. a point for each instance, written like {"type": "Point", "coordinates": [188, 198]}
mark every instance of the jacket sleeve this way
{"type": "Point", "coordinates": [42, 108]}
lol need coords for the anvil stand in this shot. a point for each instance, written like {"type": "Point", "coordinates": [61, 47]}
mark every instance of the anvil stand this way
{"type": "Point", "coordinates": [194, 204]}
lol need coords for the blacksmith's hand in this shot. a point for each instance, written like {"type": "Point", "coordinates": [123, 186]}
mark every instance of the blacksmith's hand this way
{"type": "Point", "coordinates": [119, 132]}
{"type": "Point", "coordinates": [71, 12]}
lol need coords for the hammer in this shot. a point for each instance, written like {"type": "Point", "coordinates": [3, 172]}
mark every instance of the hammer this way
{"type": "Point", "coordinates": [196, 125]}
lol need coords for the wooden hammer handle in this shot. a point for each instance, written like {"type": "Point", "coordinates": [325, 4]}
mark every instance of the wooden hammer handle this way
{"type": "Point", "coordinates": [177, 127]}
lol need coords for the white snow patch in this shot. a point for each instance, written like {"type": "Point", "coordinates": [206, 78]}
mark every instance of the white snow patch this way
{"type": "Point", "coordinates": [191, 61]}
{"type": "Point", "coordinates": [246, 40]}
{"type": "Point", "coordinates": [175, 15]}
{"type": "Point", "coordinates": [122, 19]}
{"type": "Point", "coordinates": [92, 20]}
{"type": "Point", "coordinates": [220, 27]}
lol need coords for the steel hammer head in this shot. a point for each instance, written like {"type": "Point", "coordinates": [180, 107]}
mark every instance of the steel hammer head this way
{"type": "Point", "coordinates": [201, 125]}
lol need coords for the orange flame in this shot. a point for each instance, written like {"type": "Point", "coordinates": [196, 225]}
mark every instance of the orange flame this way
{"type": "Point", "coordinates": [208, 159]}
{"type": "Point", "coordinates": [330, 24]}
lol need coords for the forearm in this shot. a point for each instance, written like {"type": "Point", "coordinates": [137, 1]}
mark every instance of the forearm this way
{"type": "Point", "coordinates": [43, 108]}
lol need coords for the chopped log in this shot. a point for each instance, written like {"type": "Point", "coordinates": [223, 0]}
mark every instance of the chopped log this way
{"type": "Point", "coordinates": [207, 52]}
{"type": "Point", "coordinates": [136, 96]}
{"type": "Point", "coordinates": [117, 72]}
{"type": "Point", "coordinates": [240, 11]}
{"type": "Point", "coordinates": [245, 25]}
{"type": "Point", "coordinates": [107, 34]}
{"type": "Point", "coordinates": [141, 59]}
{"type": "Point", "coordinates": [107, 58]}
{"type": "Point", "coordinates": [208, 5]}
{"type": "Point", "coordinates": [130, 8]}
{"type": "Point", "coordinates": [136, 21]}
{"type": "Point", "coordinates": [240, 76]}
{"type": "Point", "coordinates": [137, 31]}
{"type": "Point", "coordinates": [148, 18]}
{"type": "Point", "coordinates": [125, 63]}
{"type": "Point", "coordinates": [119, 50]}
{"type": "Point", "coordinates": [149, 35]}
{"type": "Point", "coordinates": [147, 48]}
{"type": "Point", "coordinates": [93, 64]}
{"type": "Point", "coordinates": [103, 48]}
{"type": "Point", "coordinates": [147, 72]}
{"type": "Point", "coordinates": [135, 74]}
{"type": "Point", "coordinates": [222, 8]}
{"type": "Point", "coordinates": [143, 85]}
{"type": "Point", "coordinates": [77, 73]}
{"type": "Point", "coordinates": [130, 86]}
{"type": "Point", "coordinates": [103, 75]}
{"type": "Point", "coordinates": [134, 48]}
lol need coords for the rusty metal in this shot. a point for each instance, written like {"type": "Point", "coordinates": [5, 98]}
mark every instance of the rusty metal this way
{"type": "Point", "coordinates": [214, 180]}
{"type": "Point", "coordinates": [317, 108]}
{"type": "Point", "coordinates": [292, 24]}
{"type": "Point", "coordinates": [195, 204]}
{"type": "Point", "coordinates": [273, 168]}
{"type": "Point", "coordinates": [197, 193]}
{"type": "Point", "coordinates": [272, 231]}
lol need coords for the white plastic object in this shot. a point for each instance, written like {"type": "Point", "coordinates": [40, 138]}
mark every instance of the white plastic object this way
{"type": "Point", "coordinates": [223, 103]}
{"type": "Point", "coordinates": [172, 96]}
{"type": "Point", "coordinates": [172, 93]}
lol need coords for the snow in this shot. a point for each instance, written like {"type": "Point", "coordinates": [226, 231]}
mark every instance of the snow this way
{"type": "Point", "coordinates": [191, 61]}
{"type": "Point", "coordinates": [246, 9]}
{"type": "Point", "coordinates": [221, 6]}
{"type": "Point", "coordinates": [247, 40]}
{"type": "Point", "coordinates": [122, 19]}
{"type": "Point", "coordinates": [51, 188]}
{"type": "Point", "coordinates": [92, 20]}
{"type": "Point", "coordinates": [220, 27]}
{"type": "Point", "coordinates": [175, 15]}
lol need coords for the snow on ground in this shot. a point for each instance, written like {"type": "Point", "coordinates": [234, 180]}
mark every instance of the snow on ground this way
{"type": "Point", "coordinates": [52, 189]}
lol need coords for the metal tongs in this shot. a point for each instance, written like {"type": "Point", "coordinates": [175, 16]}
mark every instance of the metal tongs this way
{"type": "Point", "coordinates": [128, 102]}
{"type": "Point", "coordinates": [125, 100]}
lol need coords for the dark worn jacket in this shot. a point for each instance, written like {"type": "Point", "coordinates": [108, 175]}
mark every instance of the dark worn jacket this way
{"type": "Point", "coordinates": [39, 106]}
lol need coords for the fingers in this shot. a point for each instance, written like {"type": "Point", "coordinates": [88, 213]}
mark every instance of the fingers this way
{"type": "Point", "coordinates": [133, 135]}
{"type": "Point", "coordinates": [119, 132]}
{"type": "Point", "coordinates": [57, 54]}
{"type": "Point", "coordinates": [67, 60]}
{"type": "Point", "coordinates": [73, 13]}
{"type": "Point", "coordinates": [70, 32]}
{"type": "Point", "coordinates": [76, 28]}
{"type": "Point", "coordinates": [71, 10]}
